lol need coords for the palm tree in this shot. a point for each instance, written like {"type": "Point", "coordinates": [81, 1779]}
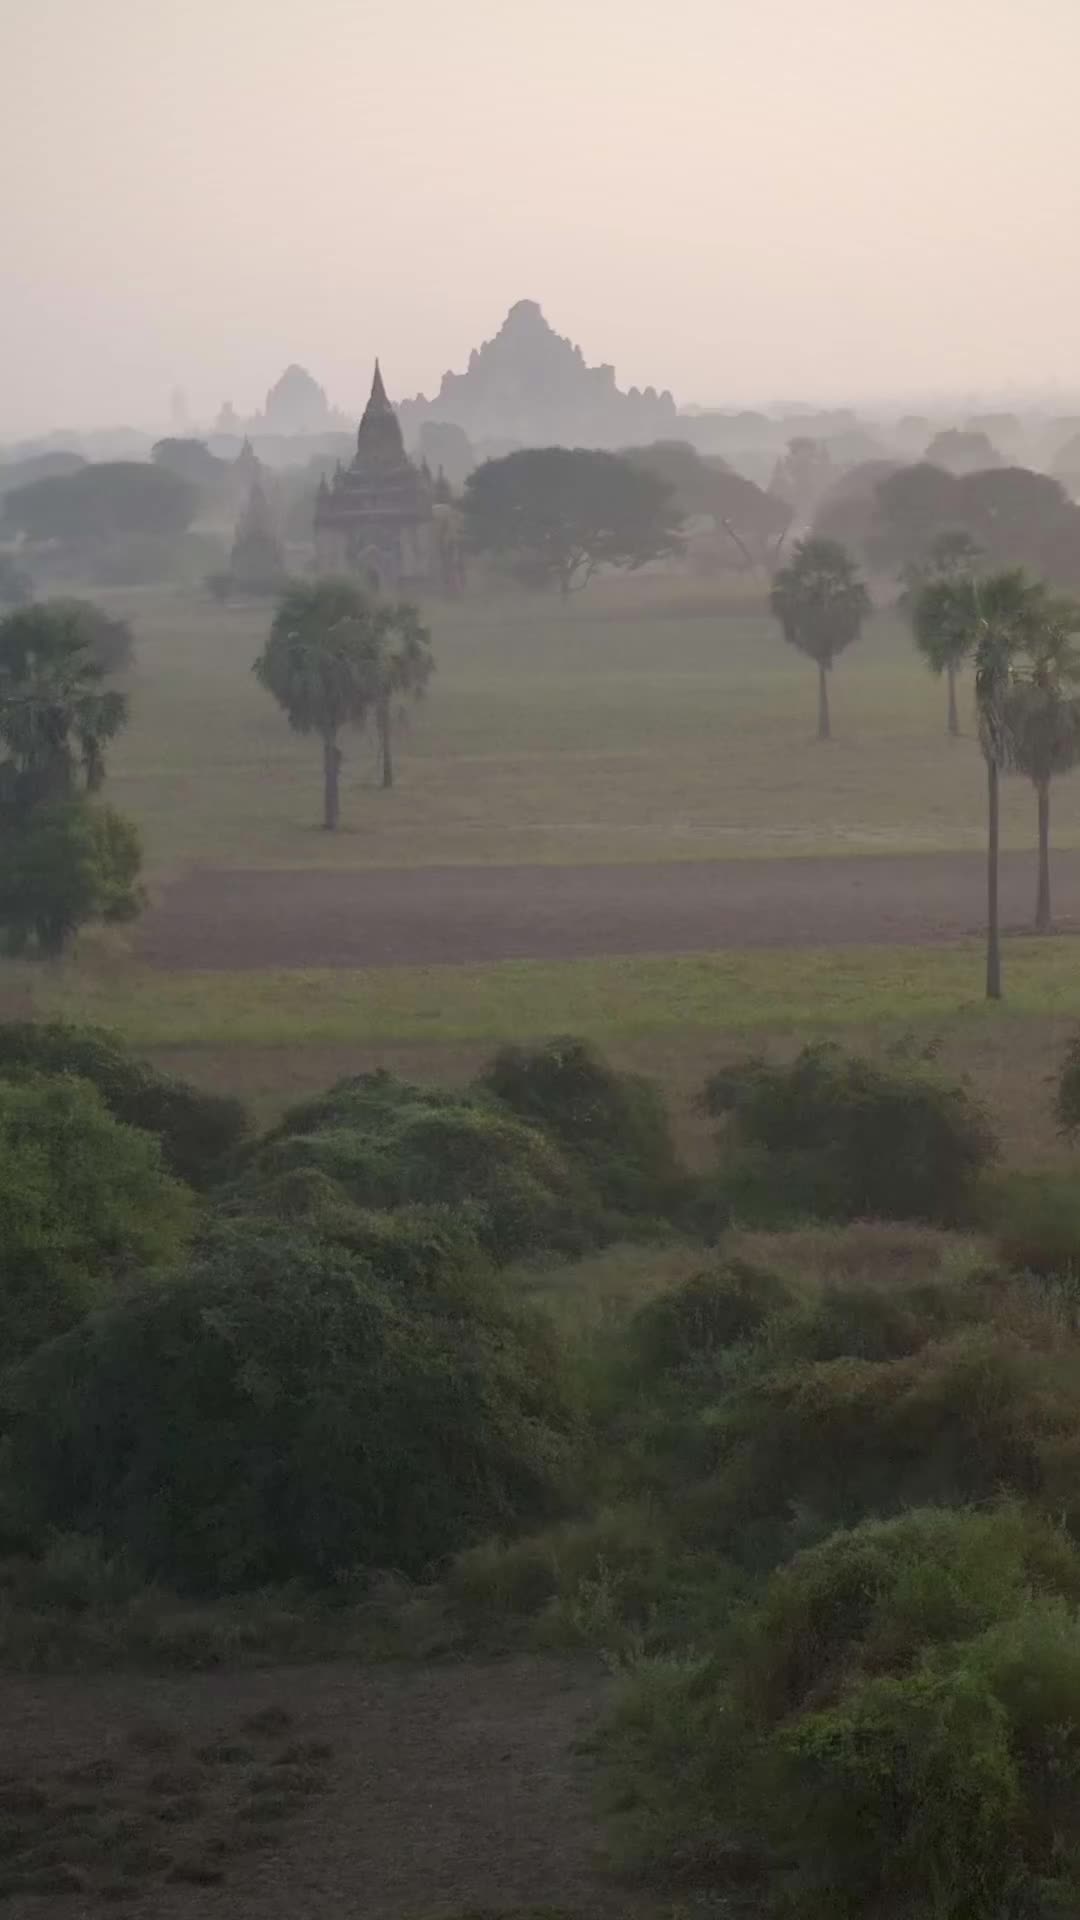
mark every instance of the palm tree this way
{"type": "Point", "coordinates": [321, 664]}
{"type": "Point", "coordinates": [1043, 727]}
{"type": "Point", "coordinates": [821, 604]}
{"type": "Point", "coordinates": [953, 556]}
{"type": "Point", "coordinates": [993, 620]}
{"type": "Point", "coordinates": [405, 667]}
{"type": "Point", "coordinates": [55, 717]}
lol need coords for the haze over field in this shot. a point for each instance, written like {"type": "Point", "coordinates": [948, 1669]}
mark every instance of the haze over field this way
{"type": "Point", "coordinates": [742, 200]}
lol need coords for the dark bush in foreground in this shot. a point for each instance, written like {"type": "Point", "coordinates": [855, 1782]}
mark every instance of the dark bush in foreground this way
{"type": "Point", "coordinates": [388, 1145]}
{"type": "Point", "coordinates": [986, 1409]}
{"type": "Point", "coordinates": [283, 1409]}
{"type": "Point", "coordinates": [198, 1131]}
{"type": "Point", "coordinates": [895, 1734]}
{"type": "Point", "coordinates": [837, 1136]}
{"type": "Point", "coordinates": [108, 639]}
{"type": "Point", "coordinates": [1036, 1221]}
{"type": "Point", "coordinates": [692, 1324]}
{"type": "Point", "coordinates": [85, 1204]}
{"type": "Point", "coordinates": [613, 1125]}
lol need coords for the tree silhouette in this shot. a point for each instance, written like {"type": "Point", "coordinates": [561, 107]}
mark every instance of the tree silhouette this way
{"type": "Point", "coordinates": [821, 604]}
{"type": "Point", "coordinates": [56, 718]}
{"type": "Point", "coordinates": [994, 620]}
{"type": "Point", "coordinates": [1043, 727]}
{"type": "Point", "coordinates": [561, 512]}
{"type": "Point", "coordinates": [953, 556]}
{"type": "Point", "coordinates": [321, 664]}
{"type": "Point", "coordinates": [403, 670]}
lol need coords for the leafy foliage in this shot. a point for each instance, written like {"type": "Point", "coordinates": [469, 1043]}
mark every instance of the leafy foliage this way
{"type": "Point", "coordinates": [100, 501]}
{"type": "Point", "coordinates": [611, 1125]}
{"type": "Point", "coordinates": [55, 717]}
{"type": "Point", "coordinates": [387, 1145]}
{"type": "Point", "coordinates": [85, 1203]}
{"type": "Point", "coordinates": [65, 865]}
{"type": "Point", "coordinates": [821, 605]}
{"type": "Point", "coordinates": [890, 1733]}
{"type": "Point", "coordinates": [286, 1409]}
{"type": "Point", "coordinates": [562, 512]}
{"type": "Point", "coordinates": [838, 1136]}
{"type": "Point", "coordinates": [107, 639]}
{"type": "Point", "coordinates": [689, 1326]}
{"type": "Point", "coordinates": [321, 664]}
{"type": "Point", "coordinates": [198, 1132]}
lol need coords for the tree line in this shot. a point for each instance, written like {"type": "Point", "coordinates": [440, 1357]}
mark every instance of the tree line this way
{"type": "Point", "coordinates": [1021, 639]}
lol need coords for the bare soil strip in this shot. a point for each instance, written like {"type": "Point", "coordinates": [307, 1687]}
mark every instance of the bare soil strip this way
{"type": "Point", "coordinates": [437, 1792]}
{"type": "Point", "coordinates": [226, 921]}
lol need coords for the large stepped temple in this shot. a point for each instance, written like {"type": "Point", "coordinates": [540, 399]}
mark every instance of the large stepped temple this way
{"type": "Point", "coordinates": [377, 518]}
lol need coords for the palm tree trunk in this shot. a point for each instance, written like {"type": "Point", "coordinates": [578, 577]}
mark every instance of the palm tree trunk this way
{"type": "Point", "coordinates": [993, 931]}
{"type": "Point", "coordinates": [384, 723]}
{"type": "Point", "coordinates": [954, 717]}
{"type": "Point", "coordinates": [824, 729]}
{"type": "Point", "coordinates": [331, 770]}
{"type": "Point", "coordinates": [1042, 898]}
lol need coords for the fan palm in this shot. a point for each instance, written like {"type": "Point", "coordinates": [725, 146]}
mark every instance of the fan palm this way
{"type": "Point", "coordinates": [953, 556]}
{"type": "Point", "coordinates": [405, 667]}
{"type": "Point", "coordinates": [993, 621]}
{"type": "Point", "coordinates": [1043, 726]}
{"type": "Point", "coordinates": [321, 664]}
{"type": "Point", "coordinates": [821, 604]}
{"type": "Point", "coordinates": [56, 717]}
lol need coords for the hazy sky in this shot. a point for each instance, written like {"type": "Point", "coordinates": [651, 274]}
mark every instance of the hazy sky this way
{"type": "Point", "coordinates": [741, 199]}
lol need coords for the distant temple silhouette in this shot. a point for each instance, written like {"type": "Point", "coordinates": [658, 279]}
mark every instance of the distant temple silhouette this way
{"type": "Point", "coordinates": [379, 518]}
{"type": "Point", "coordinates": [529, 386]}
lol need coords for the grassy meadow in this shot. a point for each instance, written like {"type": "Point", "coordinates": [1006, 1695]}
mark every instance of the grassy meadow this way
{"type": "Point", "coordinates": [648, 719]}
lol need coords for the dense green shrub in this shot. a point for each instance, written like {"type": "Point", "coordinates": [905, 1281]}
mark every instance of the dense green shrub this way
{"type": "Point", "coordinates": [387, 1145]}
{"type": "Point", "coordinates": [68, 863]}
{"type": "Point", "coordinates": [837, 1136]}
{"type": "Point", "coordinates": [894, 1731]}
{"type": "Point", "coordinates": [105, 636]}
{"type": "Point", "coordinates": [1036, 1221]}
{"type": "Point", "coordinates": [198, 1131]}
{"type": "Point", "coordinates": [1067, 1100]}
{"type": "Point", "coordinates": [613, 1125]}
{"type": "Point", "coordinates": [282, 1409]}
{"type": "Point", "coordinates": [987, 1409]}
{"type": "Point", "coordinates": [414, 1246]}
{"type": "Point", "coordinates": [85, 1203]}
{"type": "Point", "coordinates": [690, 1324]}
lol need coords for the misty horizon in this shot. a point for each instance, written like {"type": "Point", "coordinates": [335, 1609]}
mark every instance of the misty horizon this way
{"type": "Point", "coordinates": [736, 202]}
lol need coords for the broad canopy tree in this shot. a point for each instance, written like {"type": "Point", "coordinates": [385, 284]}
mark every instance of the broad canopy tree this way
{"type": "Point", "coordinates": [63, 860]}
{"type": "Point", "coordinates": [821, 604]}
{"type": "Point", "coordinates": [337, 657]}
{"type": "Point", "coordinates": [102, 501]}
{"type": "Point", "coordinates": [559, 513]}
{"type": "Point", "coordinates": [56, 716]}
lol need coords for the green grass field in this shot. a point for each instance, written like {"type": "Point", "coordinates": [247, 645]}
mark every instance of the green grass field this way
{"type": "Point", "coordinates": [648, 720]}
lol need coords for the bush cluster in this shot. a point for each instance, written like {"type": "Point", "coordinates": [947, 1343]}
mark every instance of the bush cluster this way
{"type": "Point", "coordinates": [284, 1408]}
{"type": "Point", "coordinates": [835, 1136]}
{"type": "Point", "coordinates": [198, 1131]}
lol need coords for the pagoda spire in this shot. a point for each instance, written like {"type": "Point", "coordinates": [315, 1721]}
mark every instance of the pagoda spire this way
{"type": "Point", "coordinates": [379, 440]}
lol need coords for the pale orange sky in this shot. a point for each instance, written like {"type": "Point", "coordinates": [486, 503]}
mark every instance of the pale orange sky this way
{"type": "Point", "coordinates": [740, 199]}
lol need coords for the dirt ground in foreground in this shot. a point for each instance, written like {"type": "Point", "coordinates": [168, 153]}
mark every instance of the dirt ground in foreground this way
{"type": "Point", "coordinates": [213, 918]}
{"type": "Point", "coordinates": [306, 1794]}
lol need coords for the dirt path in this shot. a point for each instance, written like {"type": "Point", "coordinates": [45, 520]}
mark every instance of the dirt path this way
{"type": "Point", "coordinates": [470, 915]}
{"type": "Point", "coordinates": [425, 1793]}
